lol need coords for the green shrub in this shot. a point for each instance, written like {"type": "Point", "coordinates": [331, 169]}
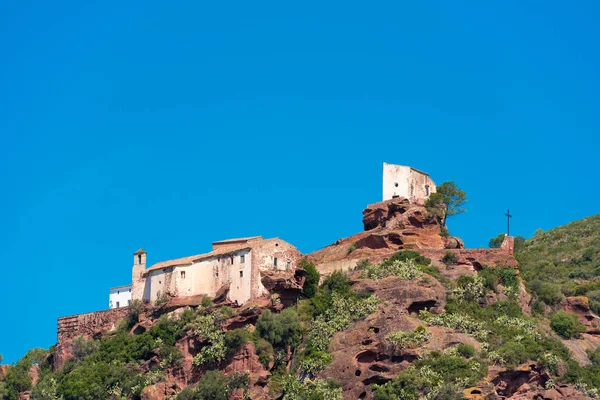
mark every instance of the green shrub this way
{"type": "Point", "coordinates": [566, 325]}
{"type": "Point", "coordinates": [212, 386]}
{"type": "Point", "coordinates": [450, 258]}
{"type": "Point", "coordinates": [206, 302]}
{"type": "Point", "coordinates": [537, 308]}
{"type": "Point", "coordinates": [393, 267]}
{"type": "Point", "coordinates": [408, 340]}
{"type": "Point", "coordinates": [508, 276]}
{"type": "Point", "coordinates": [362, 264]}
{"type": "Point", "coordinates": [490, 279]}
{"type": "Point", "coordinates": [311, 283]}
{"type": "Point", "coordinates": [351, 248]}
{"type": "Point", "coordinates": [315, 362]}
{"type": "Point", "coordinates": [281, 329]}
{"type": "Point", "coordinates": [437, 375]}
{"type": "Point", "coordinates": [465, 350]}
{"type": "Point", "coordinates": [82, 348]}
{"type": "Point", "coordinates": [188, 394]}
{"type": "Point", "coordinates": [235, 339]}
{"type": "Point", "coordinates": [549, 293]}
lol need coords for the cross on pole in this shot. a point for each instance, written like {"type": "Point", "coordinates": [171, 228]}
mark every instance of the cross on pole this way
{"type": "Point", "coordinates": [508, 217]}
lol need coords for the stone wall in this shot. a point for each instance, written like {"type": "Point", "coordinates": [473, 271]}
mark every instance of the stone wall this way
{"type": "Point", "coordinates": [469, 261]}
{"type": "Point", "coordinates": [88, 325]}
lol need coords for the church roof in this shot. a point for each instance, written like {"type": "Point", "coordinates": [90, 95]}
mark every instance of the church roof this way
{"type": "Point", "coordinates": [219, 251]}
{"type": "Point", "coordinates": [140, 251]}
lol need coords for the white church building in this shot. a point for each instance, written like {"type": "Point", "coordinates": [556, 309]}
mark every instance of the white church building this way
{"type": "Point", "coordinates": [408, 182]}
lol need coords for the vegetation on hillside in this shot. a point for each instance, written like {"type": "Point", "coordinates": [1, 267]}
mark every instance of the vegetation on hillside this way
{"type": "Point", "coordinates": [293, 344]}
{"type": "Point", "coordinates": [563, 262]}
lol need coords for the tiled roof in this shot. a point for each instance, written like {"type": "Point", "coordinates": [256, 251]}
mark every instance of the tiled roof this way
{"type": "Point", "coordinates": [245, 239]}
{"type": "Point", "coordinates": [190, 259]}
{"type": "Point", "coordinates": [120, 287]}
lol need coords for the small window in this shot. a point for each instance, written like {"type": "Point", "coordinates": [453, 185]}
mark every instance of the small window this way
{"type": "Point", "coordinates": [217, 274]}
{"type": "Point", "coordinates": [118, 304]}
{"type": "Point", "coordinates": [289, 264]}
{"type": "Point", "coordinates": [241, 274]}
{"type": "Point", "coordinates": [275, 261]}
{"type": "Point", "coordinates": [396, 184]}
{"type": "Point", "coordinates": [118, 292]}
{"type": "Point", "coordinates": [182, 274]}
{"type": "Point", "coordinates": [139, 258]}
{"type": "Point", "coordinates": [242, 259]}
{"type": "Point", "coordinates": [129, 290]}
{"type": "Point", "coordinates": [232, 260]}
{"type": "Point", "coordinates": [128, 302]}
{"type": "Point", "coordinates": [426, 190]}
{"type": "Point", "coordinates": [160, 282]}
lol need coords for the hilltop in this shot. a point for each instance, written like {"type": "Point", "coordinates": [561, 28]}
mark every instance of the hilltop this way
{"type": "Point", "coordinates": [399, 311]}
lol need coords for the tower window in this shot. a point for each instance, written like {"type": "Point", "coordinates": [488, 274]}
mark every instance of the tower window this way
{"type": "Point", "coordinates": [241, 274]}
{"type": "Point", "coordinates": [275, 261]}
{"type": "Point", "coordinates": [232, 260]}
{"type": "Point", "coordinates": [426, 190]}
{"type": "Point", "coordinates": [242, 259]}
{"type": "Point", "coordinates": [139, 258]}
{"type": "Point", "coordinates": [182, 274]}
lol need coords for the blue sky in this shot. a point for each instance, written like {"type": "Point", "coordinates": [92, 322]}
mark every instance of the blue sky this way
{"type": "Point", "coordinates": [168, 126]}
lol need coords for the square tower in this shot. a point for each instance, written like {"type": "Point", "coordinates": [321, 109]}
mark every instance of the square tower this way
{"type": "Point", "coordinates": [408, 182]}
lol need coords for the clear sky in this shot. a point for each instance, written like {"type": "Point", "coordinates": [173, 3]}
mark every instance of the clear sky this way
{"type": "Point", "coordinates": [168, 125]}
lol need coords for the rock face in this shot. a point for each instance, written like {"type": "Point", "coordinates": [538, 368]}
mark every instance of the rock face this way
{"type": "Point", "coordinates": [580, 306]}
{"type": "Point", "coordinates": [363, 357]}
{"type": "Point", "coordinates": [398, 224]}
{"type": "Point", "coordinates": [527, 381]}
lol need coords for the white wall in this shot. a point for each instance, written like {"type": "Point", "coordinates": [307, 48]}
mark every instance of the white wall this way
{"type": "Point", "coordinates": [120, 295]}
{"type": "Point", "coordinates": [204, 277]}
{"type": "Point", "coordinates": [403, 181]}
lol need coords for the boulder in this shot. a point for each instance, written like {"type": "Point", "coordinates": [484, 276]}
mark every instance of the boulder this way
{"type": "Point", "coordinates": [154, 392]}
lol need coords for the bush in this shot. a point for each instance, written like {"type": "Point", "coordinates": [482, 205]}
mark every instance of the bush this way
{"type": "Point", "coordinates": [281, 329]}
{"type": "Point", "coordinates": [311, 283]}
{"type": "Point", "coordinates": [409, 340]}
{"type": "Point", "coordinates": [549, 293]}
{"type": "Point", "coordinates": [508, 276]}
{"type": "Point", "coordinates": [187, 394]}
{"type": "Point", "coordinates": [465, 350]}
{"type": "Point", "coordinates": [206, 302]}
{"type": "Point", "coordinates": [235, 339]}
{"type": "Point", "coordinates": [490, 279]}
{"type": "Point", "coordinates": [82, 348]}
{"type": "Point", "coordinates": [212, 386]}
{"type": "Point", "coordinates": [566, 325]}
{"type": "Point", "coordinates": [450, 258]}
{"type": "Point", "coordinates": [362, 264]}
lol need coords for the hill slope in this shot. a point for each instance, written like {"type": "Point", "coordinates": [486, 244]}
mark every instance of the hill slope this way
{"type": "Point", "coordinates": [564, 261]}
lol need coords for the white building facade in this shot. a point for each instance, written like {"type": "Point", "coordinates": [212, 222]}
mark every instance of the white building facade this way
{"type": "Point", "coordinates": [119, 296]}
{"type": "Point", "coordinates": [235, 262]}
{"type": "Point", "coordinates": [408, 182]}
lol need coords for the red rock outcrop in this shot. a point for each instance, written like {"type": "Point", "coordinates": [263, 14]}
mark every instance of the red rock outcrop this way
{"type": "Point", "coordinates": [398, 224]}
{"type": "Point", "coordinates": [361, 354]}
{"type": "Point", "coordinates": [580, 306]}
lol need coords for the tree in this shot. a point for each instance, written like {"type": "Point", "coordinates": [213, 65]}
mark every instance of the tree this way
{"type": "Point", "coordinates": [496, 242]}
{"type": "Point", "coordinates": [311, 283]}
{"type": "Point", "coordinates": [451, 196]}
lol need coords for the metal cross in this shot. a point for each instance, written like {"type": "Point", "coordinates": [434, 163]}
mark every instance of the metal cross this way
{"type": "Point", "coordinates": [508, 217]}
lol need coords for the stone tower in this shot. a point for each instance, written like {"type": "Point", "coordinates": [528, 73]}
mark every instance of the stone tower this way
{"type": "Point", "coordinates": [137, 280]}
